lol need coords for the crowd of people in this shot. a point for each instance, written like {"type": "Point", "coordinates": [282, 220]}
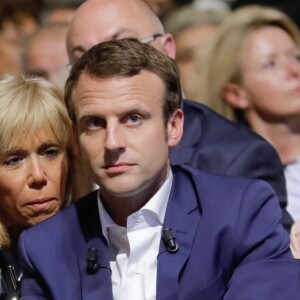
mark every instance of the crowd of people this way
{"type": "Point", "coordinates": [150, 149]}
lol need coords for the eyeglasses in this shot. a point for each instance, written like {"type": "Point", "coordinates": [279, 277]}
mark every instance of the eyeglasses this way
{"type": "Point", "coordinates": [151, 38]}
{"type": "Point", "coordinates": [146, 40]}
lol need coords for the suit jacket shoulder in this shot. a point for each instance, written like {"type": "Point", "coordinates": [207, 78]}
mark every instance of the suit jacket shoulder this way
{"type": "Point", "coordinates": [229, 235]}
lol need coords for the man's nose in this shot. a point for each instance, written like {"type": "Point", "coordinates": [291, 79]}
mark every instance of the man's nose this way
{"type": "Point", "coordinates": [114, 138]}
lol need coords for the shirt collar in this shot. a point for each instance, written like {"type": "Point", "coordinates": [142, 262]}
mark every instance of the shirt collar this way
{"type": "Point", "coordinates": [157, 206]}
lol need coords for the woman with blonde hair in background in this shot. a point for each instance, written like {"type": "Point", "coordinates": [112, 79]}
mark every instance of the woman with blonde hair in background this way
{"type": "Point", "coordinates": [250, 73]}
{"type": "Point", "coordinates": [36, 167]}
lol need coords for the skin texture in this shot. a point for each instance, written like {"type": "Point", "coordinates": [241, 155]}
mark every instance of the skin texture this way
{"type": "Point", "coordinates": [121, 132]}
{"type": "Point", "coordinates": [32, 180]}
{"type": "Point", "coordinates": [114, 19]}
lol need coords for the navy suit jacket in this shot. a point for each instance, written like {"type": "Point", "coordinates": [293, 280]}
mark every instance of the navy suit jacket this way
{"type": "Point", "coordinates": [231, 246]}
{"type": "Point", "coordinates": [213, 144]}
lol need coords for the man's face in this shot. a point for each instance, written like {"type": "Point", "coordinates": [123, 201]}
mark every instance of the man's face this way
{"type": "Point", "coordinates": [122, 134]}
{"type": "Point", "coordinates": [102, 20]}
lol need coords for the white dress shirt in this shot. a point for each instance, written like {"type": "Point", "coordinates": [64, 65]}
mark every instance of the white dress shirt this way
{"type": "Point", "coordinates": [292, 177]}
{"type": "Point", "coordinates": [134, 250]}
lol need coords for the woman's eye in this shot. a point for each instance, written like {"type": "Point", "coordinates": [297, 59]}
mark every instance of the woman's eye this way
{"type": "Point", "coordinates": [269, 64]}
{"type": "Point", "coordinates": [52, 152]}
{"type": "Point", "coordinates": [12, 161]}
{"type": "Point", "coordinates": [296, 57]}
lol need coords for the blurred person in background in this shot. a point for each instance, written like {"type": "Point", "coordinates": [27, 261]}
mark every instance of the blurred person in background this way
{"type": "Point", "coordinates": [250, 73]}
{"type": "Point", "coordinates": [18, 19]}
{"type": "Point", "coordinates": [44, 53]}
{"type": "Point", "coordinates": [59, 11]}
{"type": "Point", "coordinates": [192, 27]}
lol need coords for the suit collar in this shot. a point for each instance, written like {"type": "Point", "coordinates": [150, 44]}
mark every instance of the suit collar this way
{"type": "Point", "coordinates": [183, 216]}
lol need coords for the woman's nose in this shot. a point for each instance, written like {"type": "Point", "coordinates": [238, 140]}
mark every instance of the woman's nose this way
{"type": "Point", "coordinates": [37, 174]}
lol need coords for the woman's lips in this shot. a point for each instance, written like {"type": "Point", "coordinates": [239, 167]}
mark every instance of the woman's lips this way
{"type": "Point", "coordinates": [40, 204]}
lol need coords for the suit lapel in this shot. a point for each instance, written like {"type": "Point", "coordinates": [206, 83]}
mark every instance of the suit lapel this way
{"type": "Point", "coordinates": [183, 216]}
{"type": "Point", "coordinates": [97, 285]}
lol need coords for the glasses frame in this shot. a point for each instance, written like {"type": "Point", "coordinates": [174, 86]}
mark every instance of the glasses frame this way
{"type": "Point", "coordinates": [151, 38]}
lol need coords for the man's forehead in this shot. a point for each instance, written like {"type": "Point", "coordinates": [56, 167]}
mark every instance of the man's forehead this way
{"type": "Point", "coordinates": [144, 84]}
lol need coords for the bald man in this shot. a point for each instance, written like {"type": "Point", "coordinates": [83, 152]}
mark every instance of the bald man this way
{"type": "Point", "coordinates": [210, 142]}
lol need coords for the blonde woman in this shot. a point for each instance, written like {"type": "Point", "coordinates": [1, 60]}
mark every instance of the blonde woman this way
{"type": "Point", "coordinates": [250, 73]}
{"type": "Point", "coordinates": [35, 162]}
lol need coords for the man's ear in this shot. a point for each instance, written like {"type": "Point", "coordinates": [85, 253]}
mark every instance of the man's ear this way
{"type": "Point", "coordinates": [76, 147]}
{"type": "Point", "coordinates": [236, 96]}
{"type": "Point", "coordinates": [175, 128]}
{"type": "Point", "coordinates": [168, 45]}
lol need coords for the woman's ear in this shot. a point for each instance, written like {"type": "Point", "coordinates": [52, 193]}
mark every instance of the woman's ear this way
{"type": "Point", "coordinates": [235, 95]}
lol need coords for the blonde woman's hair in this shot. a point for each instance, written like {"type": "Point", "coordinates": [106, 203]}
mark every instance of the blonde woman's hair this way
{"type": "Point", "coordinates": [27, 105]}
{"type": "Point", "coordinates": [4, 238]}
{"type": "Point", "coordinates": [219, 63]}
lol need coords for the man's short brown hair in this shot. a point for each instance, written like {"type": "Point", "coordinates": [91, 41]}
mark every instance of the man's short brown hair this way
{"type": "Point", "coordinates": [125, 58]}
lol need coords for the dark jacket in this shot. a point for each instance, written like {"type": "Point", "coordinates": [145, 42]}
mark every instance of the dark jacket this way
{"type": "Point", "coordinates": [213, 144]}
{"type": "Point", "coordinates": [231, 246]}
{"type": "Point", "coordinates": [10, 271]}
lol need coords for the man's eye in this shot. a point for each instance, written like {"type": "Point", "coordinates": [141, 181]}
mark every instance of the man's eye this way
{"type": "Point", "coordinates": [133, 119]}
{"type": "Point", "coordinates": [95, 123]}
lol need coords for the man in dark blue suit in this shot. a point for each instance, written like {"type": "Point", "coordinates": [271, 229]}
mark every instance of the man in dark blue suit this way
{"type": "Point", "coordinates": [209, 142]}
{"type": "Point", "coordinates": [152, 231]}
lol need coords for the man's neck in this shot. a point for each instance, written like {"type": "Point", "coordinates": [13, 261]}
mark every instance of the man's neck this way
{"type": "Point", "coordinates": [119, 208]}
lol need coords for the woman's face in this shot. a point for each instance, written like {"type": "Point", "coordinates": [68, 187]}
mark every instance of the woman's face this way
{"type": "Point", "coordinates": [33, 179]}
{"type": "Point", "coordinates": [271, 73]}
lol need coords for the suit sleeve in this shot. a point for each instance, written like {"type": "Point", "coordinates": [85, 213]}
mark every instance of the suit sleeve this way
{"type": "Point", "coordinates": [31, 284]}
{"type": "Point", "coordinates": [265, 268]}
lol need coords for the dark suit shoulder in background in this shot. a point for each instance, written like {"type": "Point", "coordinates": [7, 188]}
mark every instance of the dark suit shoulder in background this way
{"type": "Point", "coordinates": [213, 144]}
